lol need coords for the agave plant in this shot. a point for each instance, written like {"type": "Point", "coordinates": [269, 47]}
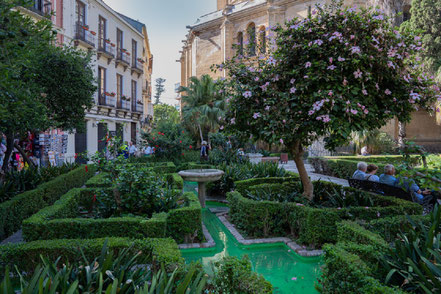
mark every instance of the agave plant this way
{"type": "Point", "coordinates": [415, 262]}
{"type": "Point", "coordinates": [122, 273]}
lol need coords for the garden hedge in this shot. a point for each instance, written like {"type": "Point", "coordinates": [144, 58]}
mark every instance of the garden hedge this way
{"type": "Point", "coordinates": [98, 181]}
{"type": "Point", "coordinates": [242, 186]}
{"type": "Point", "coordinates": [194, 165]}
{"type": "Point", "coordinates": [314, 226]}
{"type": "Point", "coordinates": [345, 166]}
{"type": "Point", "coordinates": [60, 221]}
{"type": "Point", "coordinates": [26, 256]}
{"type": "Point", "coordinates": [22, 206]}
{"type": "Point", "coordinates": [353, 264]}
{"type": "Point", "coordinates": [175, 181]}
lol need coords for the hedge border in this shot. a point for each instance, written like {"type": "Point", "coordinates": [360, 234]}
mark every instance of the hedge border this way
{"type": "Point", "coordinates": [26, 256]}
{"type": "Point", "coordinates": [241, 186]}
{"type": "Point", "coordinates": [22, 206]}
{"type": "Point", "coordinates": [59, 221]}
{"type": "Point", "coordinates": [314, 226]}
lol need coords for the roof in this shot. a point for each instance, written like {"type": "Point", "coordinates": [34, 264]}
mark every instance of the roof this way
{"type": "Point", "coordinates": [134, 23]}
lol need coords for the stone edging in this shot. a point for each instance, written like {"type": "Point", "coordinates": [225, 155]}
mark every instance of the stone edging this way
{"type": "Point", "coordinates": [291, 244]}
{"type": "Point", "coordinates": [209, 244]}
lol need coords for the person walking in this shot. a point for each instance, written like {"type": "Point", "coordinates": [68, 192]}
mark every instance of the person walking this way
{"type": "Point", "coordinates": [132, 149]}
{"type": "Point", "coordinates": [204, 151]}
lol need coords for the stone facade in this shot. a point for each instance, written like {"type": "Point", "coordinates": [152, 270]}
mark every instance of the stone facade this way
{"type": "Point", "coordinates": [210, 40]}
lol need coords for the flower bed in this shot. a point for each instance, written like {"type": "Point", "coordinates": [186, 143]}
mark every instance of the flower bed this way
{"type": "Point", "coordinates": [26, 256]}
{"type": "Point", "coordinates": [22, 206]}
{"type": "Point", "coordinates": [311, 225]}
{"type": "Point", "coordinates": [60, 221]}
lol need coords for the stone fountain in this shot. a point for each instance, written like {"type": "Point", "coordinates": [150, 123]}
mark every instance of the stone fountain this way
{"type": "Point", "coordinates": [202, 177]}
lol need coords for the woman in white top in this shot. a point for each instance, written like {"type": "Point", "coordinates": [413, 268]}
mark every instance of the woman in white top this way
{"type": "Point", "coordinates": [370, 173]}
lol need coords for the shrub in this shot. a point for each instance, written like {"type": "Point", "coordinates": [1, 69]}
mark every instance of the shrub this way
{"type": "Point", "coordinates": [313, 225]}
{"type": "Point", "coordinates": [60, 221]}
{"type": "Point", "coordinates": [175, 181]}
{"type": "Point", "coordinates": [243, 185]}
{"type": "Point", "coordinates": [22, 206]}
{"type": "Point", "coordinates": [236, 276]}
{"type": "Point", "coordinates": [26, 256]}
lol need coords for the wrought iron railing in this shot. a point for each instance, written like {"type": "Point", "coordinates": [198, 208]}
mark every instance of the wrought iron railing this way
{"type": "Point", "coordinates": [123, 103]}
{"type": "Point", "coordinates": [122, 56]}
{"type": "Point", "coordinates": [82, 33]}
{"type": "Point", "coordinates": [106, 100]}
{"type": "Point", "coordinates": [104, 46]}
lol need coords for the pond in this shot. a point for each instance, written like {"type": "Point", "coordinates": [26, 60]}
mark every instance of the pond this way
{"type": "Point", "coordinates": [287, 271]}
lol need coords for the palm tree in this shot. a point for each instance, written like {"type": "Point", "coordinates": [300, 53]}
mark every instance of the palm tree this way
{"type": "Point", "coordinates": [203, 105]}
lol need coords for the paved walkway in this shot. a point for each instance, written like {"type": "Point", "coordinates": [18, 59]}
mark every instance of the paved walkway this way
{"type": "Point", "coordinates": [291, 166]}
{"type": "Point", "coordinates": [16, 238]}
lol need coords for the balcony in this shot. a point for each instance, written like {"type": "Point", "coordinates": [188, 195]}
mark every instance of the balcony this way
{"type": "Point", "coordinates": [137, 66]}
{"type": "Point", "coordinates": [83, 36]}
{"type": "Point", "coordinates": [123, 103]}
{"type": "Point", "coordinates": [42, 8]}
{"type": "Point", "coordinates": [106, 50]}
{"type": "Point", "coordinates": [106, 100]}
{"type": "Point", "coordinates": [122, 58]}
{"type": "Point", "coordinates": [137, 106]}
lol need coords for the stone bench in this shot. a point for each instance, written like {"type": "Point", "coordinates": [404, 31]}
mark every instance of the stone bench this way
{"type": "Point", "coordinates": [270, 159]}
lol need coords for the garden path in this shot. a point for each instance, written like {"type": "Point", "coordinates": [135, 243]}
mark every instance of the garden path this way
{"type": "Point", "coordinates": [291, 166]}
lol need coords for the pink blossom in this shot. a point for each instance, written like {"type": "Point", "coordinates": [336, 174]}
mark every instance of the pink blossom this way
{"type": "Point", "coordinates": [366, 111]}
{"type": "Point", "coordinates": [318, 42]}
{"type": "Point", "coordinates": [256, 79]}
{"type": "Point", "coordinates": [294, 279]}
{"type": "Point", "coordinates": [293, 81]}
{"type": "Point", "coordinates": [353, 111]}
{"type": "Point", "coordinates": [330, 93]}
{"type": "Point", "coordinates": [355, 50]}
{"type": "Point", "coordinates": [387, 92]}
{"type": "Point", "coordinates": [299, 204]}
{"type": "Point", "coordinates": [265, 86]}
{"type": "Point", "coordinates": [221, 127]}
{"type": "Point", "coordinates": [311, 112]}
{"type": "Point", "coordinates": [352, 37]}
{"type": "Point", "coordinates": [358, 74]}
{"type": "Point", "coordinates": [256, 115]}
{"type": "Point", "coordinates": [271, 61]}
{"type": "Point", "coordinates": [247, 94]}
{"type": "Point", "coordinates": [267, 108]}
{"type": "Point", "coordinates": [292, 90]}
{"type": "Point", "coordinates": [331, 59]}
{"type": "Point", "coordinates": [281, 141]}
{"type": "Point", "coordinates": [348, 102]}
{"type": "Point", "coordinates": [341, 59]}
{"type": "Point", "coordinates": [345, 82]}
{"type": "Point", "coordinates": [233, 121]}
{"type": "Point", "coordinates": [364, 92]}
{"type": "Point", "coordinates": [331, 67]}
{"type": "Point", "coordinates": [308, 64]}
{"type": "Point", "coordinates": [284, 121]}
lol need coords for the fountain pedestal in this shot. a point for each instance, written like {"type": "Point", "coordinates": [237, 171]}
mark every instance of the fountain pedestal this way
{"type": "Point", "coordinates": [202, 177]}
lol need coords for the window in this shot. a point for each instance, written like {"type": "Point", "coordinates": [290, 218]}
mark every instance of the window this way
{"type": "Point", "coordinates": [240, 42]}
{"type": "Point", "coordinates": [102, 85]}
{"type": "Point", "coordinates": [134, 95]}
{"type": "Point", "coordinates": [262, 37]}
{"type": "Point", "coordinates": [102, 32]}
{"type": "Point", "coordinates": [134, 52]}
{"type": "Point", "coordinates": [119, 42]}
{"type": "Point", "coordinates": [251, 32]}
{"type": "Point", "coordinates": [81, 13]}
{"type": "Point", "coordinates": [119, 89]}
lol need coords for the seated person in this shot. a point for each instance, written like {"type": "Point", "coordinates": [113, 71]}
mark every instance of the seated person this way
{"type": "Point", "coordinates": [360, 173]}
{"type": "Point", "coordinates": [388, 177]}
{"type": "Point", "coordinates": [371, 173]}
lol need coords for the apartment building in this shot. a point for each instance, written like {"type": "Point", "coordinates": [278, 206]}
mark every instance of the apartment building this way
{"type": "Point", "coordinates": [122, 62]}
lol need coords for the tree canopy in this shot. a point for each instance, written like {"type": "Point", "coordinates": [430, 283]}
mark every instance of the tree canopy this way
{"type": "Point", "coordinates": [338, 71]}
{"type": "Point", "coordinates": [160, 88]}
{"type": "Point", "coordinates": [165, 113]}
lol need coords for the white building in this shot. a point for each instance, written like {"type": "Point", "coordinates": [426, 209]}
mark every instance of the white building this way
{"type": "Point", "coordinates": [122, 62]}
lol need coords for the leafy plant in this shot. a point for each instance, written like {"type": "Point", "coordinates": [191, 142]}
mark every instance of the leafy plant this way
{"type": "Point", "coordinates": [415, 262]}
{"type": "Point", "coordinates": [123, 272]}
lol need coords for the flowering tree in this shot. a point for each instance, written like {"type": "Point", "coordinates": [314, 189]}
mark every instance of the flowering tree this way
{"type": "Point", "coordinates": [338, 71]}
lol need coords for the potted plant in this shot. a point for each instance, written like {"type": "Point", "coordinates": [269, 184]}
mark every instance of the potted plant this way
{"type": "Point", "coordinates": [93, 33]}
{"type": "Point", "coordinates": [85, 27]}
{"type": "Point", "coordinates": [113, 94]}
{"type": "Point", "coordinates": [113, 44]}
{"type": "Point", "coordinates": [106, 93]}
{"type": "Point", "coordinates": [108, 41]}
{"type": "Point", "coordinates": [140, 60]}
{"type": "Point", "coordinates": [128, 53]}
{"type": "Point", "coordinates": [123, 98]}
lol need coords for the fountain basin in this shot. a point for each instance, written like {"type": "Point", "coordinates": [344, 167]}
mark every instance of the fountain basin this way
{"type": "Point", "coordinates": [201, 176]}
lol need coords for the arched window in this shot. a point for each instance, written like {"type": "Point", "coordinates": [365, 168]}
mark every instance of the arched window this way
{"type": "Point", "coordinates": [251, 32]}
{"type": "Point", "coordinates": [240, 42]}
{"type": "Point", "coordinates": [262, 40]}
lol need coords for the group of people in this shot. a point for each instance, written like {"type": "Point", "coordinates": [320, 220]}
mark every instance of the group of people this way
{"type": "Point", "coordinates": [368, 173]}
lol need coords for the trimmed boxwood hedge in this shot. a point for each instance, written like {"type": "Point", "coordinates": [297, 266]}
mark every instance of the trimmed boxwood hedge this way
{"type": "Point", "coordinates": [60, 221]}
{"type": "Point", "coordinates": [353, 264]}
{"type": "Point", "coordinates": [175, 181]}
{"type": "Point", "coordinates": [314, 226]}
{"type": "Point", "coordinates": [242, 186]}
{"type": "Point", "coordinates": [194, 165]}
{"type": "Point", "coordinates": [97, 181]}
{"type": "Point", "coordinates": [345, 166]}
{"type": "Point", "coordinates": [26, 256]}
{"type": "Point", "coordinates": [22, 206]}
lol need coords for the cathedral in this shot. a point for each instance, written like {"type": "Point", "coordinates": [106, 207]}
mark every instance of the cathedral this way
{"type": "Point", "coordinates": [211, 38]}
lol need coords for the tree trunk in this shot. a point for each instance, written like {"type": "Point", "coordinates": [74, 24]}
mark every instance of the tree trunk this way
{"type": "Point", "coordinates": [9, 148]}
{"type": "Point", "coordinates": [308, 188]}
{"type": "Point", "coordinates": [25, 157]}
{"type": "Point", "coordinates": [200, 133]}
{"type": "Point", "coordinates": [401, 134]}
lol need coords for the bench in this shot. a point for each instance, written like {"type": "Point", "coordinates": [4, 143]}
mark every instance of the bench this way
{"type": "Point", "coordinates": [270, 159]}
{"type": "Point", "coordinates": [387, 190]}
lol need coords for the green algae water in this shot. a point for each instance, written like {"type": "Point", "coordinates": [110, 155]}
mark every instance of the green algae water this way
{"type": "Point", "coordinates": [287, 271]}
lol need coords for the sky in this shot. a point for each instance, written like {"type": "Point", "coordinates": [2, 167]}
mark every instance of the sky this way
{"type": "Point", "coordinates": [166, 22]}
